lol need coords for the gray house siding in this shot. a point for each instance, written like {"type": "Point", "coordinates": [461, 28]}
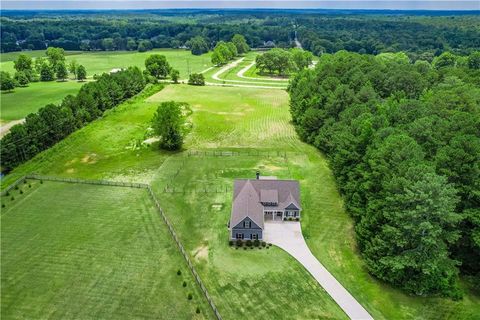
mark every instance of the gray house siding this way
{"type": "Point", "coordinates": [249, 233]}
{"type": "Point", "coordinates": [291, 206]}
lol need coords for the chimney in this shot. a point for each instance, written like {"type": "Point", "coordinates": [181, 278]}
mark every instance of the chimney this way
{"type": "Point", "coordinates": [258, 174]}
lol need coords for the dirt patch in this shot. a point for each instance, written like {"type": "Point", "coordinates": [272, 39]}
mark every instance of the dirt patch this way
{"type": "Point", "coordinates": [201, 252]}
{"type": "Point", "coordinates": [6, 126]}
{"type": "Point", "coordinates": [89, 158]}
{"type": "Point", "coordinates": [70, 170]}
{"type": "Point", "coordinates": [69, 163]}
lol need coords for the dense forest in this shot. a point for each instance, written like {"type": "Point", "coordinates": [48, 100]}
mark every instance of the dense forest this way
{"type": "Point", "coordinates": [403, 141]}
{"type": "Point", "coordinates": [421, 36]}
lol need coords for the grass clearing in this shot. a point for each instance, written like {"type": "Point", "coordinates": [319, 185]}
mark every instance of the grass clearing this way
{"type": "Point", "coordinates": [94, 252]}
{"type": "Point", "coordinates": [16, 105]}
{"type": "Point", "coordinates": [22, 101]}
{"type": "Point", "coordinates": [263, 283]}
{"type": "Point", "coordinates": [108, 148]}
{"type": "Point", "coordinates": [234, 117]}
{"type": "Point", "coordinates": [243, 120]}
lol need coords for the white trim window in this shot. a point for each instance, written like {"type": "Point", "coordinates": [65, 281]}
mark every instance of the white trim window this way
{"type": "Point", "coordinates": [239, 236]}
{"type": "Point", "coordinates": [247, 224]}
{"type": "Point", "coordinates": [254, 236]}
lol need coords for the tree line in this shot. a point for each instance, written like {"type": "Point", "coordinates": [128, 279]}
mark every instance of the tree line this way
{"type": "Point", "coordinates": [318, 32]}
{"type": "Point", "coordinates": [403, 141]}
{"type": "Point", "coordinates": [52, 123]}
{"type": "Point", "coordinates": [226, 51]}
{"type": "Point", "coordinates": [283, 61]}
{"type": "Point", "coordinates": [47, 68]}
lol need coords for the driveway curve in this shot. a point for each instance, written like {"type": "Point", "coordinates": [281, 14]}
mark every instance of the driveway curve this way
{"type": "Point", "coordinates": [240, 74]}
{"type": "Point", "coordinates": [289, 237]}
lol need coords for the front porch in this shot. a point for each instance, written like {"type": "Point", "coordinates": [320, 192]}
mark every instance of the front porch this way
{"type": "Point", "coordinates": [277, 215]}
{"type": "Point", "coordinates": [273, 215]}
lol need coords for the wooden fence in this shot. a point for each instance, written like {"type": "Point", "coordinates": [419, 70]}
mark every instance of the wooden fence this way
{"type": "Point", "coordinates": [13, 185]}
{"type": "Point", "coordinates": [185, 255]}
{"type": "Point", "coordinates": [192, 188]}
{"type": "Point", "coordinates": [157, 205]}
{"type": "Point", "coordinates": [214, 153]}
{"type": "Point", "coordinates": [84, 181]}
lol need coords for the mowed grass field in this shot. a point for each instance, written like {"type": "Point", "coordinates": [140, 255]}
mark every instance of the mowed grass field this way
{"type": "Point", "coordinates": [98, 62]}
{"type": "Point", "coordinates": [74, 251]}
{"type": "Point", "coordinates": [252, 122]}
{"type": "Point", "coordinates": [16, 105]}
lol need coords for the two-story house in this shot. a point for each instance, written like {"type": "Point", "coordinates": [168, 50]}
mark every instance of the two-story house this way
{"type": "Point", "coordinates": [260, 199]}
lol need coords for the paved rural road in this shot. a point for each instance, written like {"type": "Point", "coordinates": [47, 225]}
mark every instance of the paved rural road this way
{"type": "Point", "coordinates": [289, 237]}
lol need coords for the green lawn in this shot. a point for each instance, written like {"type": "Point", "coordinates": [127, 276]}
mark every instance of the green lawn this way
{"type": "Point", "coordinates": [247, 120]}
{"type": "Point", "coordinates": [91, 252]}
{"type": "Point", "coordinates": [103, 61]}
{"type": "Point", "coordinates": [16, 105]}
{"type": "Point", "coordinates": [110, 147]}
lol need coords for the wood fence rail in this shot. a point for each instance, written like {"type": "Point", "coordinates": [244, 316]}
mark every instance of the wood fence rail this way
{"type": "Point", "coordinates": [157, 205]}
{"type": "Point", "coordinates": [13, 185]}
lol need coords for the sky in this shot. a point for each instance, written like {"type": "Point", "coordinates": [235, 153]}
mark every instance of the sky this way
{"type": "Point", "coordinates": [287, 4]}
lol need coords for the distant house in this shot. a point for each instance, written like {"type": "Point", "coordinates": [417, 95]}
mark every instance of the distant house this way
{"type": "Point", "coordinates": [261, 199]}
{"type": "Point", "coordinates": [268, 44]}
{"type": "Point", "coordinates": [115, 70]}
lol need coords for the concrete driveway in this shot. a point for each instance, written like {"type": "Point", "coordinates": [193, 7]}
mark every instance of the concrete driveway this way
{"type": "Point", "coordinates": [288, 236]}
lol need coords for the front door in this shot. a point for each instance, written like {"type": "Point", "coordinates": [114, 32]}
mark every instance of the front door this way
{"type": "Point", "coordinates": [268, 215]}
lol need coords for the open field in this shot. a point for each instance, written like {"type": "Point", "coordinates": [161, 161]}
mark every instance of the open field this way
{"type": "Point", "coordinates": [108, 148]}
{"type": "Point", "coordinates": [251, 121]}
{"type": "Point", "coordinates": [23, 101]}
{"type": "Point", "coordinates": [91, 252]}
{"type": "Point", "coordinates": [16, 105]}
{"type": "Point", "coordinates": [103, 61]}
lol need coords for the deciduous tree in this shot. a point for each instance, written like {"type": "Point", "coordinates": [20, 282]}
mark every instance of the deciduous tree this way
{"type": "Point", "coordinates": [6, 81]}
{"type": "Point", "coordinates": [169, 123]}
{"type": "Point", "coordinates": [81, 73]}
{"type": "Point", "coordinates": [157, 66]}
{"type": "Point", "coordinates": [240, 43]}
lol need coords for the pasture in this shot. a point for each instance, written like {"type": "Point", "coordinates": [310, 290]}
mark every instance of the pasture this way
{"type": "Point", "coordinates": [98, 62]}
{"type": "Point", "coordinates": [251, 122]}
{"type": "Point", "coordinates": [91, 252]}
{"type": "Point", "coordinates": [16, 105]}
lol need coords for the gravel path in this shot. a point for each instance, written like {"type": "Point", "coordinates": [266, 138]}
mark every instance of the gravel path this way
{"type": "Point", "coordinates": [289, 237]}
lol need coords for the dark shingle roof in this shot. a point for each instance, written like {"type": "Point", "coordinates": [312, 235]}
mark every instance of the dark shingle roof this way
{"type": "Point", "coordinates": [269, 195]}
{"type": "Point", "coordinates": [247, 194]}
